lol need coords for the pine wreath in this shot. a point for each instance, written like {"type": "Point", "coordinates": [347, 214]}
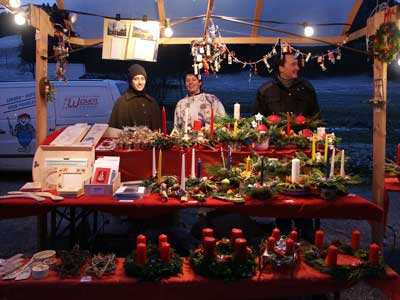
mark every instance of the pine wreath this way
{"type": "Point", "coordinates": [386, 42]}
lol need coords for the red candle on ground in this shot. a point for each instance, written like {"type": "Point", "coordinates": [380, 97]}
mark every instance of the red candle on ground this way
{"type": "Point", "coordinates": [294, 235]}
{"type": "Point", "coordinates": [289, 247]}
{"type": "Point", "coordinates": [240, 249]}
{"type": "Point", "coordinates": [165, 252]}
{"type": "Point", "coordinates": [212, 123]}
{"type": "Point", "coordinates": [276, 233]}
{"type": "Point", "coordinates": [162, 238]}
{"type": "Point", "coordinates": [141, 254]}
{"type": "Point", "coordinates": [164, 121]}
{"type": "Point", "coordinates": [140, 239]}
{"type": "Point", "coordinates": [374, 254]}
{"type": "Point", "coordinates": [207, 232]}
{"type": "Point", "coordinates": [319, 239]}
{"type": "Point", "coordinates": [236, 233]}
{"type": "Point", "coordinates": [197, 125]}
{"type": "Point", "coordinates": [209, 247]}
{"type": "Point", "coordinates": [355, 239]}
{"type": "Point", "coordinates": [270, 244]}
{"type": "Point", "coordinates": [288, 122]}
{"type": "Point", "coordinates": [331, 257]}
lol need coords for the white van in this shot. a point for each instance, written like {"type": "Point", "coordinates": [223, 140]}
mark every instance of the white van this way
{"type": "Point", "coordinates": [81, 101]}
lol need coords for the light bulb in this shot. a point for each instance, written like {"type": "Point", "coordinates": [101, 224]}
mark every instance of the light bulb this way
{"type": "Point", "coordinates": [308, 31]}
{"type": "Point", "coordinates": [20, 19]}
{"type": "Point", "coordinates": [15, 3]}
{"type": "Point", "coordinates": [73, 17]}
{"type": "Point", "coordinates": [168, 32]}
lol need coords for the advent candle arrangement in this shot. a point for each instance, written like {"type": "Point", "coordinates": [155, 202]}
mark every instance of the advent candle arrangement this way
{"type": "Point", "coordinates": [207, 232]}
{"type": "Point", "coordinates": [197, 125]}
{"type": "Point", "coordinates": [236, 233]}
{"type": "Point", "coordinates": [141, 239]}
{"type": "Point", "coordinates": [141, 254]}
{"type": "Point", "coordinates": [332, 171]}
{"type": "Point", "coordinates": [374, 254]}
{"type": "Point", "coordinates": [236, 111]}
{"type": "Point", "coordinates": [276, 234]}
{"type": "Point", "coordinates": [295, 170]}
{"type": "Point", "coordinates": [319, 239]}
{"type": "Point", "coordinates": [248, 161]}
{"type": "Point", "coordinates": [162, 238]}
{"type": "Point", "coordinates": [331, 257]}
{"type": "Point", "coordinates": [313, 148]}
{"type": "Point", "coordinates": [270, 244]}
{"type": "Point", "coordinates": [209, 247]}
{"type": "Point", "coordinates": [164, 121]}
{"type": "Point", "coordinates": [294, 235]}
{"type": "Point", "coordinates": [240, 247]}
{"type": "Point", "coordinates": [289, 250]}
{"type": "Point", "coordinates": [235, 129]}
{"type": "Point", "coordinates": [355, 239]}
{"type": "Point", "coordinates": [165, 252]}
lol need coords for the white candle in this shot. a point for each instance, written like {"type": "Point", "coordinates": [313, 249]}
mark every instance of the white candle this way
{"type": "Point", "coordinates": [186, 120]}
{"type": "Point", "coordinates": [153, 163]}
{"type": "Point", "coordinates": [183, 176]}
{"type": "Point", "coordinates": [332, 163]}
{"type": "Point", "coordinates": [295, 169]}
{"type": "Point", "coordinates": [342, 172]}
{"type": "Point", "coordinates": [193, 175]}
{"type": "Point", "coordinates": [236, 111]}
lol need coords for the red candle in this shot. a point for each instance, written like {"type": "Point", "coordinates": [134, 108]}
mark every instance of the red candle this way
{"type": "Point", "coordinates": [141, 254]}
{"type": "Point", "coordinates": [197, 125]}
{"type": "Point", "coordinates": [289, 247]}
{"type": "Point", "coordinates": [271, 244]}
{"type": "Point", "coordinates": [164, 121]}
{"type": "Point", "coordinates": [331, 257]}
{"type": "Point", "coordinates": [240, 249]}
{"type": "Point", "coordinates": [165, 252]}
{"type": "Point", "coordinates": [141, 239]}
{"type": "Point", "coordinates": [212, 123]}
{"type": "Point", "coordinates": [374, 254]}
{"type": "Point", "coordinates": [355, 239]}
{"type": "Point", "coordinates": [288, 122]}
{"type": "Point", "coordinates": [276, 233]}
{"type": "Point", "coordinates": [209, 247]}
{"type": "Point", "coordinates": [319, 239]}
{"type": "Point", "coordinates": [207, 232]}
{"type": "Point", "coordinates": [236, 233]}
{"type": "Point", "coordinates": [294, 235]}
{"type": "Point", "coordinates": [162, 238]}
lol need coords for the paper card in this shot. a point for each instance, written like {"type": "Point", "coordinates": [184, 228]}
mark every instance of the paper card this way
{"type": "Point", "coordinates": [116, 49]}
{"type": "Point", "coordinates": [101, 176]}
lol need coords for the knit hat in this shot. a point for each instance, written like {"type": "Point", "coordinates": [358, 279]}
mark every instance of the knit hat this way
{"type": "Point", "coordinates": [136, 69]}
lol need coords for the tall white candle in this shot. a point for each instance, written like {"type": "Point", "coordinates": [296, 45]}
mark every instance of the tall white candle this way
{"type": "Point", "coordinates": [183, 175]}
{"type": "Point", "coordinates": [342, 172]}
{"type": "Point", "coordinates": [186, 120]}
{"type": "Point", "coordinates": [153, 163]}
{"type": "Point", "coordinates": [295, 169]}
{"type": "Point", "coordinates": [236, 111]}
{"type": "Point", "coordinates": [332, 163]}
{"type": "Point", "coordinates": [193, 173]}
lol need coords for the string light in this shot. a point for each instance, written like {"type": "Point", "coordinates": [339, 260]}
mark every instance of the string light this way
{"type": "Point", "coordinates": [168, 32]}
{"type": "Point", "coordinates": [308, 30]}
{"type": "Point", "coordinates": [20, 19]}
{"type": "Point", "coordinates": [73, 17]}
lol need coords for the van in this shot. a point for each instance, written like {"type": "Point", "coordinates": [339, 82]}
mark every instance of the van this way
{"type": "Point", "coordinates": [81, 101]}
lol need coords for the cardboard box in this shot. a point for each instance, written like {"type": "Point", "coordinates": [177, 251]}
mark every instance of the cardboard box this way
{"type": "Point", "coordinates": [103, 189]}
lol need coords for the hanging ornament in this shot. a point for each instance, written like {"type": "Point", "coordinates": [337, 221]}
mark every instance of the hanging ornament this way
{"type": "Point", "coordinates": [308, 57]}
{"type": "Point", "coordinates": [331, 57]}
{"type": "Point", "coordinates": [229, 59]}
{"type": "Point", "coordinates": [208, 50]}
{"type": "Point", "coordinates": [265, 60]}
{"type": "Point", "coordinates": [206, 66]}
{"type": "Point", "coordinates": [320, 59]}
{"type": "Point", "coordinates": [255, 69]}
{"type": "Point", "coordinates": [296, 54]}
{"type": "Point", "coordinates": [302, 61]}
{"type": "Point", "coordinates": [60, 55]}
{"type": "Point", "coordinates": [195, 69]}
{"type": "Point", "coordinates": [338, 54]}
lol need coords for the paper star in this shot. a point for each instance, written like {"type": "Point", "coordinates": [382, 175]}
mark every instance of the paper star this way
{"type": "Point", "coordinates": [259, 117]}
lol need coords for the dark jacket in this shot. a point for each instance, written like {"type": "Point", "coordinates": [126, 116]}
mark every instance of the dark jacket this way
{"type": "Point", "coordinates": [134, 109]}
{"type": "Point", "coordinates": [274, 97]}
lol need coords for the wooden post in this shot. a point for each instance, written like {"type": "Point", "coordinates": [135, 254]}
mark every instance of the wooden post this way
{"type": "Point", "coordinates": [379, 144]}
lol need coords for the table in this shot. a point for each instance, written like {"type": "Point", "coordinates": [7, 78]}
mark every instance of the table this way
{"type": "Point", "coordinates": [392, 184]}
{"type": "Point", "coordinates": [303, 281]}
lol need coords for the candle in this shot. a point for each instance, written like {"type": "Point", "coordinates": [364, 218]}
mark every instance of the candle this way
{"type": "Point", "coordinates": [159, 175]}
{"type": "Point", "coordinates": [262, 171]}
{"type": "Point", "coordinates": [295, 170]}
{"type": "Point", "coordinates": [141, 254]}
{"type": "Point", "coordinates": [326, 153]}
{"type": "Point", "coordinates": [183, 175]}
{"type": "Point", "coordinates": [289, 250]}
{"type": "Point", "coordinates": [153, 163]}
{"type": "Point", "coordinates": [248, 160]}
{"type": "Point", "coordinates": [164, 121]}
{"type": "Point", "coordinates": [207, 232]}
{"type": "Point", "coordinates": [288, 123]}
{"type": "Point", "coordinates": [212, 123]}
{"type": "Point", "coordinates": [228, 161]}
{"type": "Point", "coordinates": [355, 239]}
{"type": "Point", "coordinates": [276, 233]}
{"type": "Point", "coordinates": [235, 129]}
{"type": "Point", "coordinates": [197, 125]}
{"type": "Point", "coordinates": [162, 238]}
{"type": "Point", "coordinates": [199, 168]}
{"type": "Point", "coordinates": [236, 233]}
{"type": "Point", "coordinates": [240, 249]}
{"type": "Point", "coordinates": [374, 254]}
{"type": "Point", "coordinates": [313, 150]}
{"type": "Point", "coordinates": [209, 247]}
{"type": "Point", "coordinates": [222, 157]}
{"type": "Point", "coordinates": [185, 128]}
{"type": "Point", "coordinates": [294, 235]}
{"type": "Point", "coordinates": [319, 239]}
{"type": "Point", "coordinates": [328, 166]}
{"type": "Point", "coordinates": [270, 244]}
{"type": "Point", "coordinates": [165, 252]}
{"type": "Point", "coordinates": [320, 132]}
{"type": "Point", "coordinates": [236, 111]}
{"type": "Point", "coordinates": [332, 171]}
{"type": "Point", "coordinates": [342, 172]}
{"type": "Point", "coordinates": [140, 239]}
{"type": "Point", "coordinates": [331, 257]}
{"type": "Point", "coordinates": [193, 173]}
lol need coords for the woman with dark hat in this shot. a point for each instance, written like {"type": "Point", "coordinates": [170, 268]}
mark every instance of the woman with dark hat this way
{"type": "Point", "coordinates": [136, 107]}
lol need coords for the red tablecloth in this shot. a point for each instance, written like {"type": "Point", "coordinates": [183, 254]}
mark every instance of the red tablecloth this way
{"type": "Point", "coordinates": [303, 281]}
{"type": "Point", "coordinates": [348, 207]}
{"type": "Point", "coordinates": [392, 184]}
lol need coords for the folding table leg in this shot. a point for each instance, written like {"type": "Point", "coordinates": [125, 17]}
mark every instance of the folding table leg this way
{"type": "Point", "coordinates": [42, 231]}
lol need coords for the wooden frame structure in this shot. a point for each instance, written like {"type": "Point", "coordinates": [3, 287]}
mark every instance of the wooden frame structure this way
{"type": "Point", "coordinates": [40, 20]}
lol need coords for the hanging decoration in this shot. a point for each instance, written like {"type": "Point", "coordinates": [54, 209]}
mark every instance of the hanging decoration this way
{"type": "Point", "coordinates": [61, 52]}
{"type": "Point", "coordinates": [386, 42]}
{"type": "Point", "coordinates": [46, 90]}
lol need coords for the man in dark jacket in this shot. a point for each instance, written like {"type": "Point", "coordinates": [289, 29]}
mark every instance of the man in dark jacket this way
{"type": "Point", "coordinates": [136, 107]}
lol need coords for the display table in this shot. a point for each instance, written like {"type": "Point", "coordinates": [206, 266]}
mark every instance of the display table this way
{"type": "Point", "coordinates": [392, 184]}
{"type": "Point", "coordinates": [303, 281]}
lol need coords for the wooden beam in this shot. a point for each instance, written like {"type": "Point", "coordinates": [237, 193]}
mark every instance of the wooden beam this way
{"type": "Point", "coordinates": [161, 12]}
{"type": "Point", "coordinates": [41, 20]}
{"type": "Point", "coordinates": [356, 35]}
{"type": "Point", "coordinates": [210, 7]}
{"type": "Point", "coordinates": [84, 42]}
{"type": "Point", "coordinates": [352, 15]}
{"type": "Point", "coordinates": [257, 17]}
{"type": "Point", "coordinates": [378, 18]}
